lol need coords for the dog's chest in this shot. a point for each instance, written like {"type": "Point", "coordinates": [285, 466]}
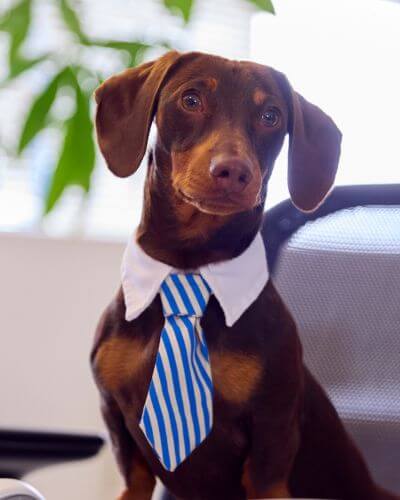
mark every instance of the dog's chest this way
{"type": "Point", "coordinates": [125, 361]}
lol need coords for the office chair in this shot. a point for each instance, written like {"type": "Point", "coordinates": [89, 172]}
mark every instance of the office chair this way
{"type": "Point", "coordinates": [22, 452]}
{"type": "Point", "coordinates": [338, 270]}
{"type": "Point", "coordinates": [12, 489]}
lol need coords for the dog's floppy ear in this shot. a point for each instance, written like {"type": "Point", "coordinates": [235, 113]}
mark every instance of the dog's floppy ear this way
{"type": "Point", "coordinates": [126, 107]}
{"type": "Point", "coordinates": [314, 150]}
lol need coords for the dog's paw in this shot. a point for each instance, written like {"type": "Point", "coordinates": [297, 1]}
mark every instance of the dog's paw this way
{"type": "Point", "coordinates": [135, 495]}
{"type": "Point", "coordinates": [277, 490]}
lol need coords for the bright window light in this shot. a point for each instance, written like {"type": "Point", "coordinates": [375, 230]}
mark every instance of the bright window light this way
{"type": "Point", "coordinates": [343, 56]}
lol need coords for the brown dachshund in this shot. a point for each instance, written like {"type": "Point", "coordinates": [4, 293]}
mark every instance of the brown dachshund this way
{"type": "Point", "coordinates": [220, 126]}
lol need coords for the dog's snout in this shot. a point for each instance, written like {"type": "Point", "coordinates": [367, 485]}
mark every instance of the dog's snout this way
{"type": "Point", "coordinates": [231, 174]}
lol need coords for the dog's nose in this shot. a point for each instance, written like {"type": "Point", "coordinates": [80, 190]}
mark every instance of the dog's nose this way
{"type": "Point", "coordinates": [231, 174]}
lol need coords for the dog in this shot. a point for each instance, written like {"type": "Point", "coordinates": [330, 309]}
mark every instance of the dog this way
{"type": "Point", "coordinates": [220, 126]}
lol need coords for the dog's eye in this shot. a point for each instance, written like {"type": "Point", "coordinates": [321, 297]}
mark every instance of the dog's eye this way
{"type": "Point", "coordinates": [192, 102]}
{"type": "Point", "coordinates": [271, 117]}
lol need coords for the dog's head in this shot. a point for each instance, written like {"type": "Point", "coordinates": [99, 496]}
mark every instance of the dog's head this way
{"type": "Point", "coordinates": [221, 124]}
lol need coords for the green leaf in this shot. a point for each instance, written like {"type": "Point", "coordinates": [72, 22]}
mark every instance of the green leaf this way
{"type": "Point", "coordinates": [180, 7]}
{"type": "Point", "coordinates": [16, 22]}
{"type": "Point", "coordinates": [77, 158]}
{"type": "Point", "coordinates": [18, 65]}
{"type": "Point", "coordinates": [71, 20]}
{"type": "Point", "coordinates": [134, 49]}
{"type": "Point", "coordinates": [264, 5]}
{"type": "Point", "coordinates": [39, 111]}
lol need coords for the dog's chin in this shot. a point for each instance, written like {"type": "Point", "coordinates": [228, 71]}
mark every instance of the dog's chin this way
{"type": "Point", "coordinates": [216, 206]}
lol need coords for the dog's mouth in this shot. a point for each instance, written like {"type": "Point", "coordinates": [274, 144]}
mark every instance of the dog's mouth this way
{"type": "Point", "coordinates": [213, 205]}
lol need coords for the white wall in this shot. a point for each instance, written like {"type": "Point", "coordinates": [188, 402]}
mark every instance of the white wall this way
{"type": "Point", "coordinates": [51, 295]}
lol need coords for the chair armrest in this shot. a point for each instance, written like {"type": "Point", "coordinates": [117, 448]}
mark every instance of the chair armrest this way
{"type": "Point", "coordinates": [23, 451]}
{"type": "Point", "coordinates": [11, 489]}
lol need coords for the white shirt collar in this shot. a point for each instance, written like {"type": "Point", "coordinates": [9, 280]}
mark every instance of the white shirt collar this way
{"type": "Point", "coordinates": [236, 283]}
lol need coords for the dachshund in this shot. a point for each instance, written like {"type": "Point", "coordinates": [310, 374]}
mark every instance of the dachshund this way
{"type": "Point", "coordinates": [220, 125]}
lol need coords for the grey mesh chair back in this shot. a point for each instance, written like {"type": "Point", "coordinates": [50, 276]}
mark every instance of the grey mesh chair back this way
{"type": "Point", "coordinates": [339, 273]}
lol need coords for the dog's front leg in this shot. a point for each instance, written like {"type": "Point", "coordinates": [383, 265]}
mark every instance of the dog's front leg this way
{"type": "Point", "coordinates": [139, 480]}
{"type": "Point", "coordinates": [275, 426]}
{"type": "Point", "coordinates": [275, 442]}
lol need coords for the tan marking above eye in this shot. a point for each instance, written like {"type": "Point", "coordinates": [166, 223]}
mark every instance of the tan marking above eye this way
{"type": "Point", "coordinates": [212, 83]}
{"type": "Point", "coordinates": [259, 97]}
{"type": "Point", "coordinates": [235, 375]}
{"type": "Point", "coordinates": [119, 359]}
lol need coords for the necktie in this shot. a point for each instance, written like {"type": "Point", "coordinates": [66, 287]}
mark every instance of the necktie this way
{"type": "Point", "coordinates": [177, 415]}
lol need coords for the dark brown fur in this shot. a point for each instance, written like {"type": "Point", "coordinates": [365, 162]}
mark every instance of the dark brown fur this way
{"type": "Point", "coordinates": [275, 432]}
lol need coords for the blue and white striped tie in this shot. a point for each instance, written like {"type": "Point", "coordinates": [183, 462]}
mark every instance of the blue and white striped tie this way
{"type": "Point", "coordinates": [177, 415]}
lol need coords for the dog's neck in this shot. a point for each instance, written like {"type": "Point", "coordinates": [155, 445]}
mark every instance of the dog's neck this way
{"type": "Point", "coordinates": [177, 233]}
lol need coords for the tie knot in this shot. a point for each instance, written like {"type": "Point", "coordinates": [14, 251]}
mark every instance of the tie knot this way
{"type": "Point", "coordinates": [184, 294]}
